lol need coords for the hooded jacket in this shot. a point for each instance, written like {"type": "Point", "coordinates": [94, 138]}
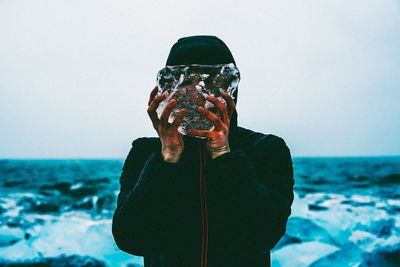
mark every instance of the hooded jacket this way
{"type": "Point", "coordinates": [229, 211]}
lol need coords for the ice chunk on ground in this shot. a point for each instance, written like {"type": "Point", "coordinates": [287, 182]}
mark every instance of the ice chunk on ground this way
{"type": "Point", "coordinates": [300, 255]}
{"type": "Point", "coordinates": [349, 256]}
{"type": "Point", "coordinates": [307, 230]}
{"type": "Point", "coordinates": [75, 233]}
{"type": "Point", "coordinates": [19, 251]}
{"type": "Point", "coordinates": [9, 236]}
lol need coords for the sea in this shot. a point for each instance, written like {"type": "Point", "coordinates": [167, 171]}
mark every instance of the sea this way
{"type": "Point", "coordinates": [346, 212]}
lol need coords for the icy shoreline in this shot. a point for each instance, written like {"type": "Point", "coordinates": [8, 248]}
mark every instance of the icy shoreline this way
{"type": "Point", "coordinates": [71, 234]}
{"type": "Point", "coordinates": [351, 231]}
{"type": "Point", "coordinates": [346, 212]}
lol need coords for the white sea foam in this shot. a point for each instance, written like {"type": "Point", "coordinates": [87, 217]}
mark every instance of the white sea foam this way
{"type": "Point", "coordinates": [77, 186]}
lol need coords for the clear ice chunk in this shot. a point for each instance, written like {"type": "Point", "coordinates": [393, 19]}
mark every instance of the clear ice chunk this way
{"type": "Point", "coordinates": [189, 85]}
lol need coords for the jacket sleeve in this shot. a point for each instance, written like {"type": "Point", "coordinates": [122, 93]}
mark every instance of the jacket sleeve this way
{"type": "Point", "coordinates": [147, 187]}
{"type": "Point", "coordinates": [256, 190]}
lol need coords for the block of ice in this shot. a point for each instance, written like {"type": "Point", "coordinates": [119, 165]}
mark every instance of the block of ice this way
{"type": "Point", "coordinates": [347, 256]}
{"type": "Point", "coordinates": [308, 230]}
{"type": "Point", "coordinates": [189, 85]}
{"type": "Point", "coordinates": [9, 236]}
{"type": "Point", "coordinates": [75, 233]}
{"type": "Point", "coordinates": [18, 251]}
{"type": "Point", "coordinates": [303, 254]}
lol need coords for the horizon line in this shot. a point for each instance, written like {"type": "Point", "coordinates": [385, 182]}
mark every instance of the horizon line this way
{"type": "Point", "coordinates": [123, 158]}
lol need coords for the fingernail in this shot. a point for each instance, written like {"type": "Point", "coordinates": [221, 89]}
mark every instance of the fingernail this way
{"type": "Point", "coordinates": [200, 108]}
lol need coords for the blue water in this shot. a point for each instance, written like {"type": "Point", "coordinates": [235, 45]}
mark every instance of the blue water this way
{"type": "Point", "coordinates": [346, 212]}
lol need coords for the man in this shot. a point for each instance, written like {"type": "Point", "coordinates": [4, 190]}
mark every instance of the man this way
{"type": "Point", "coordinates": [222, 201]}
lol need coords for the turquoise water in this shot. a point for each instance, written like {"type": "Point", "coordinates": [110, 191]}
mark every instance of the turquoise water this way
{"type": "Point", "coordinates": [346, 211]}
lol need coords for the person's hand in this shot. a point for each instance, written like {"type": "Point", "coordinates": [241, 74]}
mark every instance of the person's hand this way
{"type": "Point", "coordinates": [218, 143]}
{"type": "Point", "coordinates": [171, 139]}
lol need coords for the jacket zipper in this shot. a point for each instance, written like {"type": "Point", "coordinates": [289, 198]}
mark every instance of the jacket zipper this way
{"type": "Point", "coordinates": [204, 239]}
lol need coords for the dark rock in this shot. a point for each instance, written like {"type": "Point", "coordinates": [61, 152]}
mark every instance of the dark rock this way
{"type": "Point", "coordinates": [316, 207]}
{"type": "Point", "coordinates": [45, 207]}
{"type": "Point", "coordinates": [63, 187]}
{"type": "Point", "coordinates": [390, 179]}
{"type": "Point", "coordinates": [385, 257]}
{"type": "Point", "coordinates": [60, 261]}
{"type": "Point", "coordinates": [380, 228]}
{"type": "Point", "coordinates": [83, 191]}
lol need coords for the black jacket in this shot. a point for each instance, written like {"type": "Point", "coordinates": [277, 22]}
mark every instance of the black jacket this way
{"type": "Point", "coordinates": [224, 212]}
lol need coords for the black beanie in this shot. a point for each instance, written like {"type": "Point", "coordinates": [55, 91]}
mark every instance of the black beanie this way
{"type": "Point", "coordinates": [202, 49]}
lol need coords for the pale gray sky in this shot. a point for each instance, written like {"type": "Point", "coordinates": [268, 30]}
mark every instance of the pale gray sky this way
{"type": "Point", "coordinates": [75, 75]}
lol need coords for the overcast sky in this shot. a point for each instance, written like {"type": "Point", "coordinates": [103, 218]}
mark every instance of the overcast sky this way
{"type": "Point", "coordinates": [75, 75]}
